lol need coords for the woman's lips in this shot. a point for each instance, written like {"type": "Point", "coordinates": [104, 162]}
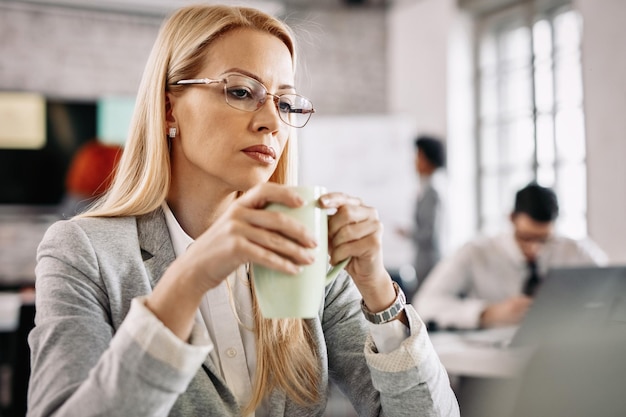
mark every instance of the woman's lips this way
{"type": "Point", "coordinates": [261, 153]}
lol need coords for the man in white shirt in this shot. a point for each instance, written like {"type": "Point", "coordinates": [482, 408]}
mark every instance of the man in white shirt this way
{"type": "Point", "coordinates": [490, 281]}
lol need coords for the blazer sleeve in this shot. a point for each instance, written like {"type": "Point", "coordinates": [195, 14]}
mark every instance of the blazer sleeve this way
{"type": "Point", "coordinates": [82, 365]}
{"type": "Point", "coordinates": [409, 381]}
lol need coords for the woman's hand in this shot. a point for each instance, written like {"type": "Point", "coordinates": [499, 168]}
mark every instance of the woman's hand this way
{"type": "Point", "coordinates": [356, 231]}
{"type": "Point", "coordinates": [243, 233]}
{"type": "Point", "coordinates": [246, 233]}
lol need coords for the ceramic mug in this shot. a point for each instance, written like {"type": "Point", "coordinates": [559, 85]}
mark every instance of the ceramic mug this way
{"type": "Point", "coordinates": [283, 295]}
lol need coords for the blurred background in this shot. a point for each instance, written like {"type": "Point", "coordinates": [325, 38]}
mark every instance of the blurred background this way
{"type": "Point", "coordinates": [520, 90]}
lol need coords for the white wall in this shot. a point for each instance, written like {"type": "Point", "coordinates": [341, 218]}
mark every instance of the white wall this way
{"type": "Point", "coordinates": [462, 169]}
{"type": "Point", "coordinates": [417, 49]}
{"type": "Point", "coordinates": [371, 157]}
{"type": "Point", "coordinates": [431, 76]}
{"type": "Point", "coordinates": [604, 78]}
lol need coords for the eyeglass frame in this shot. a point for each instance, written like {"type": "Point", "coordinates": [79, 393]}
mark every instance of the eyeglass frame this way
{"type": "Point", "coordinates": [275, 97]}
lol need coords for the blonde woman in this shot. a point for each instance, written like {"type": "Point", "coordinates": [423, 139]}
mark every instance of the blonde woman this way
{"type": "Point", "coordinates": [143, 303]}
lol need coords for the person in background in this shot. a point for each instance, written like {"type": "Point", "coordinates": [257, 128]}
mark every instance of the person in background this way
{"type": "Point", "coordinates": [144, 303]}
{"type": "Point", "coordinates": [89, 175]}
{"type": "Point", "coordinates": [490, 281]}
{"type": "Point", "coordinates": [428, 217]}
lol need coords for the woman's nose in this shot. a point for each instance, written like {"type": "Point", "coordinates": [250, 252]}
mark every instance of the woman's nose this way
{"type": "Point", "coordinates": [267, 116]}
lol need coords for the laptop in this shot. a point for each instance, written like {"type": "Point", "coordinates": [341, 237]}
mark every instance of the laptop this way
{"type": "Point", "coordinates": [572, 302]}
{"type": "Point", "coordinates": [576, 329]}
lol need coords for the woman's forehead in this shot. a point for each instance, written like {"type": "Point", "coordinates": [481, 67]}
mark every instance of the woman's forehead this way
{"type": "Point", "coordinates": [259, 53]}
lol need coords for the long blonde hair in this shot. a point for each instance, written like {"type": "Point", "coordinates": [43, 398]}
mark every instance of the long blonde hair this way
{"type": "Point", "coordinates": [286, 355]}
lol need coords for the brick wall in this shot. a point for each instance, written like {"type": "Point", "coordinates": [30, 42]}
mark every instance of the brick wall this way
{"type": "Point", "coordinates": [343, 66]}
{"type": "Point", "coordinates": [74, 54]}
{"type": "Point", "coordinates": [86, 54]}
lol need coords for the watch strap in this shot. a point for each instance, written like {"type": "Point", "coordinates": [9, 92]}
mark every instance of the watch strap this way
{"type": "Point", "coordinates": [390, 313]}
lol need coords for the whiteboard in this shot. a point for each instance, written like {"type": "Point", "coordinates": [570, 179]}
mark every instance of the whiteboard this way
{"type": "Point", "coordinates": [370, 157]}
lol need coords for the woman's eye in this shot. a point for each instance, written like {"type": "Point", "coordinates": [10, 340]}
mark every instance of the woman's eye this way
{"type": "Point", "coordinates": [240, 93]}
{"type": "Point", "coordinates": [284, 107]}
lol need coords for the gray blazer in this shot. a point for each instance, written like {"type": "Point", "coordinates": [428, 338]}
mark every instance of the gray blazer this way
{"type": "Point", "coordinates": [85, 361]}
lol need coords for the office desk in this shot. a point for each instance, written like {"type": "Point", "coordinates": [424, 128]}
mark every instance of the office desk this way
{"type": "Point", "coordinates": [479, 353]}
{"type": "Point", "coordinates": [483, 369]}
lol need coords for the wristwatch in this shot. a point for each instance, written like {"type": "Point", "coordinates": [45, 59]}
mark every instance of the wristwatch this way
{"type": "Point", "coordinates": [389, 314]}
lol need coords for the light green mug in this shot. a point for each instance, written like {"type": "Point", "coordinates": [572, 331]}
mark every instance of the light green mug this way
{"type": "Point", "coordinates": [282, 295]}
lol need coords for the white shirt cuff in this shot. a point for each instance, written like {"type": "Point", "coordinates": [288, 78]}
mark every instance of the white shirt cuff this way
{"type": "Point", "coordinates": [388, 336]}
{"type": "Point", "coordinates": [161, 343]}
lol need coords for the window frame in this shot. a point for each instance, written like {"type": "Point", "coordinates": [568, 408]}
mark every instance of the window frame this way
{"type": "Point", "coordinates": [495, 24]}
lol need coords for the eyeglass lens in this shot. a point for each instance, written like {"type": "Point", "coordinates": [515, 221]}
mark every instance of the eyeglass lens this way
{"type": "Point", "coordinates": [245, 93]}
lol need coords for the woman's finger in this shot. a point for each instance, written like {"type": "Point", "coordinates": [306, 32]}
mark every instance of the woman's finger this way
{"type": "Point", "coordinates": [350, 214]}
{"type": "Point", "coordinates": [278, 244]}
{"type": "Point", "coordinates": [335, 200]}
{"type": "Point", "coordinates": [259, 255]}
{"type": "Point", "coordinates": [266, 193]}
{"type": "Point", "coordinates": [354, 231]}
{"type": "Point", "coordinates": [277, 222]}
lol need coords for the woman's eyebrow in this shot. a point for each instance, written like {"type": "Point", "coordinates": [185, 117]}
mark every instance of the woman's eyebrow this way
{"type": "Point", "coordinates": [254, 76]}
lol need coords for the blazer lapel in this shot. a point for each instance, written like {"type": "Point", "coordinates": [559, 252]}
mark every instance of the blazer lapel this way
{"type": "Point", "coordinates": [157, 253]}
{"type": "Point", "coordinates": [155, 243]}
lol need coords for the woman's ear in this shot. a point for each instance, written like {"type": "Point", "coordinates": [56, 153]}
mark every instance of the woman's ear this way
{"type": "Point", "coordinates": [169, 109]}
{"type": "Point", "coordinates": [170, 119]}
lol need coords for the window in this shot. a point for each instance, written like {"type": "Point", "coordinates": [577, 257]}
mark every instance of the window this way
{"type": "Point", "coordinates": [530, 119]}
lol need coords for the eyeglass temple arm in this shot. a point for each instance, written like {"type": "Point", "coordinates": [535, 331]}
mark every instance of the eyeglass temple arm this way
{"type": "Point", "coordinates": [198, 81]}
{"type": "Point", "coordinates": [302, 111]}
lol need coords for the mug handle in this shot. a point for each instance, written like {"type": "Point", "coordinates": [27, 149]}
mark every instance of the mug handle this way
{"type": "Point", "coordinates": [334, 271]}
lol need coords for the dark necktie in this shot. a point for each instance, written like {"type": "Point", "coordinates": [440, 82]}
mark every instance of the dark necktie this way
{"type": "Point", "coordinates": [533, 281]}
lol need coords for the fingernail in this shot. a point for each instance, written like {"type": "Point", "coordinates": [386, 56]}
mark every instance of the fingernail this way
{"type": "Point", "coordinates": [324, 200]}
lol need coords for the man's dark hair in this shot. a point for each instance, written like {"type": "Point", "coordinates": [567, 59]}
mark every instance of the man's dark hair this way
{"type": "Point", "coordinates": [433, 149]}
{"type": "Point", "coordinates": [540, 203]}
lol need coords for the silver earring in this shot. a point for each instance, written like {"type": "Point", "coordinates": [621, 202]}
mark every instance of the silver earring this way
{"type": "Point", "coordinates": [172, 133]}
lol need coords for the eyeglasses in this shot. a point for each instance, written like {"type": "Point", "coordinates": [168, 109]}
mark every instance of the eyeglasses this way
{"type": "Point", "coordinates": [244, 93]}
{"type": "Point", "coordinates": [538, 239]}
